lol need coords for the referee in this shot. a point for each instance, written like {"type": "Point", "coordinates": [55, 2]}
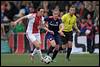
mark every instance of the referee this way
{"type": "Point", "coordinates": [69, 21]}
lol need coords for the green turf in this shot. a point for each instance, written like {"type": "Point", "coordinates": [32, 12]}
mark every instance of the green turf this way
{"type": "Point", "coordinates": [76, 60]}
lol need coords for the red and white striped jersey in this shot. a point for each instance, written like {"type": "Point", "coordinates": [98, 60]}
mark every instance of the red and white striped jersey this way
{"type": "Point", "coordinates": [34, 22]}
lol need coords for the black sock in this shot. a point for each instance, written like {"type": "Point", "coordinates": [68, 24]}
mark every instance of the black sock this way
{"type": "Point", "coordinates": [31, 51]}
{"type": "Point", "coordinates": [68, 52]}
{"type": "Point", "coordinates": [50, 50]}
{"type": "Point", "coordinates": [60, 48]}
{"type": "Point", "coordinates": [54, 54]}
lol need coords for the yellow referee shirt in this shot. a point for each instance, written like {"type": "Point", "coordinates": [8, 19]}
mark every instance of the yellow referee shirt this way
{"type": "Point", "coordinates": [69, 21]}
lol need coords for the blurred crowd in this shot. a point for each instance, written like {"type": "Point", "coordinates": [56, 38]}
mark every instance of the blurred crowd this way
{"type": "Point", "coordinates": [87, 12]}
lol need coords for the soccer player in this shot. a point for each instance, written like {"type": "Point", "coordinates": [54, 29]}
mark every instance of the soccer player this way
{"type": "Point", "coordinates": [52, 25]}
{"type": "Point", "coordinates": [69, 21]}
{"type": "Point", "coordinates": [33, 30]}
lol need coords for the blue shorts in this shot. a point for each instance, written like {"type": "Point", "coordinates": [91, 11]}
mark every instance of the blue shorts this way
{"type": "Point", "coordinates": [55, 37]}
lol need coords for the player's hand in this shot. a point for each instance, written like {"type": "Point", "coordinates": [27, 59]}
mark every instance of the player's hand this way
{"type": "Point", "coordinates": [61, 33]}
{"type": "Point", "coordinates": [78, 32]}
{"type": "Point", "coordinates": [51, 32]}
{"type": "Point", "coordinates": [13, 24]}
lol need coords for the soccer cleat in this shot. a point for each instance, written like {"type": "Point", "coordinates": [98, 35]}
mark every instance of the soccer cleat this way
{"type": "Point", "coordinates": [42, 59]}
{"type": "Point", "coordinates": [68, 59]}
{"type": "Point", "coordinates": [32, 57]}
{"type": "Point", "coordinates": [53, 61]}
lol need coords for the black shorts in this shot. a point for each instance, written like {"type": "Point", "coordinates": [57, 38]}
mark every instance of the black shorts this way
{"type": "Point", "coordinates": [68, 37]}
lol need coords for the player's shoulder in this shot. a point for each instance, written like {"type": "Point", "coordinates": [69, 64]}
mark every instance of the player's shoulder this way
{"type": "Point", "coordinates": [34, 14]}
{"type": "Point", "coordinates": [31, 15]}
{"type": "Point", "coordinates": [65, 15]}
{"type": "Point", "coordinates": [50, 17]}
{"type": "Point", "coordinates": [74, 16]}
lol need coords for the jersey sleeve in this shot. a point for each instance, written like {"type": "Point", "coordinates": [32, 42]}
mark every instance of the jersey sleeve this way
{"type": "Point", "coordinates": [60, 21]}
{"type": "Point", "coordinates": [63, 18]}
{"type": "Point", "coordinates": [29, 16]}
{"type": "Point", "coordinates": [75, 24]}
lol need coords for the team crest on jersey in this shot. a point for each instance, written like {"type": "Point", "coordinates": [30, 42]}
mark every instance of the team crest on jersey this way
{"type": "Point", "coordinates": [53, 24]}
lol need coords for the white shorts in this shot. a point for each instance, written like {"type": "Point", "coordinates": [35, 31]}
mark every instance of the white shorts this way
{"type": "Point", "coordinates": [34, 37]}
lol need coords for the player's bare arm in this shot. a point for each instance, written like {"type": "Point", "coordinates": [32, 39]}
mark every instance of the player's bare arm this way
{"type": "Point", "coordinates": [61, 28]}
{"type": "Point", "coordinates": [76, 28]}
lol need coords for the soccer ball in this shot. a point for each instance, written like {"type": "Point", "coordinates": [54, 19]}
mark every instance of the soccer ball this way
{"type": "Point", "coordinates": [47, 59]}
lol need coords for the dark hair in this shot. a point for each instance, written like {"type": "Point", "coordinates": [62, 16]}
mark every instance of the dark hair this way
{"type": "Point", "coordinates": [72, 6]}
{"type": "Point", "coordinates": [38, 9]}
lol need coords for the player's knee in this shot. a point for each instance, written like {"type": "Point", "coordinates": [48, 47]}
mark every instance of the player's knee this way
{"type": "Point", "coordinates": [63, 46]}
{"type": "Point", "coordinates": [69, 44]}
{"type": "Point", "coordinates": [37, 44]}
{"type": "Point", "coordinates": [57, 47]}
{"type": "Point", "coordinates": [53, 43]}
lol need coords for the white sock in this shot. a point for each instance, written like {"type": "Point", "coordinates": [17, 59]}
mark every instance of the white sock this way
{"type": "Point", "coordinates": [34, 52]}
{"type": "Point", "coordinates": [40, 53]}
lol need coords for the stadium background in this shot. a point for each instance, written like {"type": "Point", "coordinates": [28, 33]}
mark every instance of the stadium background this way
{"type": "Point", "coordinates": [12, 10]}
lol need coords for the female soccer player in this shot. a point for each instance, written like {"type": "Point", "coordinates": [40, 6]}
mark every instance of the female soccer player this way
{"type": "Point", "coordinates": [53, 33]}
{"type": "Point", "coordinates": [33, 32]}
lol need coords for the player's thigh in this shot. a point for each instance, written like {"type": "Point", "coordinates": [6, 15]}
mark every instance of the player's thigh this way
{"type": "Point", "coordinates": [33, 40]}
{"type": "Point", "coordinates": [58, 40]}
{"type": "Point", "coordinates": [52, 42]}
{"type": "Point", "coordinates": [36, 43]}
{"type": "Point", "coordinates": [70, 39]}
{"type": "Point", "coordinates": [38, 37]}
{"type": "Point", "coordinates": [64, 39]}
{"type": "Point", "coordinates": [51, 39]}
{"type": "Point", "coordinates": [69, 44]}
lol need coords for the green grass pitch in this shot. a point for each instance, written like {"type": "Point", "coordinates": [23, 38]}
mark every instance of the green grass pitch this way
{"type": "Point", "coordinates": [24, 60]}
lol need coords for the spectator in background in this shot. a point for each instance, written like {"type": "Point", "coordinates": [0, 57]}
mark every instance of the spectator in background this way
{"type": "Point", "coordinates": [86, 3]}
{"type": "Point", "coordinates": [2, 31]}
{"type": "Point", "coordinates": [90, 36]}
{"type": "Point", "coordinates": [82, 10]}
{"type": "Point", "coordinates": [66, 9]}
{"type": "Point", "coordinates": [61, 13]}
{"type": "Point", "coordinates": [97, 24]}
{"type": "Point", "coordinates": [4, 18]}
{"type": "Point", "coordinates": [90, 11]}
{"type": "Point", "coordinates": [11, 11]}
{"type": "Point", "coordinates": [77, 4]}
{"type": "Point", "coordinates": [4, 8]}
{"type": "Point", "coordinates": [96, 12]}
{"type": "Point", "coordinates": [25, 8]}
{"type": "Point", "coordinates": [82, 26]}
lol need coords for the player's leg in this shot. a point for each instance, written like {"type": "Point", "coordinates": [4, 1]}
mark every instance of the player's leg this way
{"type": "Point", "coordinates": [32, 47]}
{"type": "Point", "coordinates": [55, 52]}
{"type": "Point", "coordinates": [37, 49]}
{"type": "Point", "coordinates": [69, 44]}
{"type": "Point", "coordinates": [50, 38]}
{"type": "Point", "coordinates": [64, 42]}
{"type": "Point", "coordinates": [69, 49]}
{"type": "Point", "coordinates": [30, 37]}
{"type": "Point", "coordinates": [52, 46]}
{"type": "Point", "coordinates": [38, 44]}
{"type": "Point", "coordinates": [58, 44]}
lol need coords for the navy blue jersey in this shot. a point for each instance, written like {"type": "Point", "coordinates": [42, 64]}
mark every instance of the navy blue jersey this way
{"type": "Point", "coordinates": [53, 24]}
